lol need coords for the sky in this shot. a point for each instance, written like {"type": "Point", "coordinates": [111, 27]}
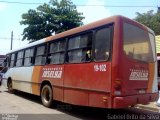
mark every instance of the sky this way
{"type": "Point", "coordinates": [10, 15]}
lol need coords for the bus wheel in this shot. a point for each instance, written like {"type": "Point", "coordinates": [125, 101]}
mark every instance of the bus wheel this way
{"type": "Point", "coordinates": [47, 96]}
{"type": "Point", "coordinates": [10, 88]}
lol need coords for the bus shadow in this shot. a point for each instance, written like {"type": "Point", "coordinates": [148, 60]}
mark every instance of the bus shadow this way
{"type": "Point", "coordinates": [30, 97]}
{"type": "Point", "coordinates": [86, 113]}
{"type": "Point", "coordinates": [81, 112]}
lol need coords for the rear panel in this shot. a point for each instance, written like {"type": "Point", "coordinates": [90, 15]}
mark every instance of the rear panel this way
{"type": "Point", "coordinates": [139, 57]}
{"type": "Point", "coordinates": [136, 72]}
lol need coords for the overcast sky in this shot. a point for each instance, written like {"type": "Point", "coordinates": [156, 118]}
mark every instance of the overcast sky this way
{"type": "Point", "coordinates": [11, 15]}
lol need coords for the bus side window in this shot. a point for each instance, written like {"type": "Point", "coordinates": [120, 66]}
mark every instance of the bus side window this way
{"type": "Point", "coordinates": [8, 60]}
{"type": "Point", "coordinates": [57, 52]}
{"type": "Point", "coordinates": [12, 61]}
{"type": "Point", "coordinates": [40, 58]}
{"type": "Point", "coordinates": [29, 57]}
{"type": "Point", "coordinates": [102, 44]}
{"type": "Point", "coordinates": [4, 64]}
{"type": "Point", "coordinates": [79, 48]}
{"type": "Point", "coordinates": [19, 61]}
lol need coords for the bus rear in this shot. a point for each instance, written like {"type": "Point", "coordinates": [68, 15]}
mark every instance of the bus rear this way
{"type": "Point", "coordinates": [134, 67]}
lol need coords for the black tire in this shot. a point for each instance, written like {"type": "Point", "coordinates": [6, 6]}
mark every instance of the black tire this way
{"type": "Point", "coordinates": [47, 96]}
{"type": "Point", "coordinates": [10, 88]}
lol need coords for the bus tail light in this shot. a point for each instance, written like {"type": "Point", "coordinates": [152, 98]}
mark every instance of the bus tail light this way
{"type": "Point", "coordinates": [117, 87]}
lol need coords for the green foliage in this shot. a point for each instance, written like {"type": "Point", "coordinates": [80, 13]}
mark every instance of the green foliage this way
{"type": "Point", "coordinates": [151, 20]}
{"type": "Point", "coordinates": [55, 17]}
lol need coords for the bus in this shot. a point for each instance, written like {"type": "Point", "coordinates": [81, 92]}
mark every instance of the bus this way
{"type": "Point", "coordinates": [110, 63]}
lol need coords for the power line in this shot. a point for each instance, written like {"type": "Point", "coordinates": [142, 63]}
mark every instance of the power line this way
{"type": "Point", "coordinates": [29, 3]}
{"type": "Point", "coordinates": [111, 6]}
{"type": "Point", "coordinates": [18, 2]}
{"type": "Point", "coordinates": [9, 38]}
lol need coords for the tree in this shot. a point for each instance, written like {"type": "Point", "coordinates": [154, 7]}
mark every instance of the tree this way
{"type": "Point", "coordinates": [55, 17]}
{"type": "Point", "coordinates": [150, 19]}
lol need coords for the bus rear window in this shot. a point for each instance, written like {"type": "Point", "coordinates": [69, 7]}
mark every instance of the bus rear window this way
{"type": "Point", "coordinates": [137, 43]}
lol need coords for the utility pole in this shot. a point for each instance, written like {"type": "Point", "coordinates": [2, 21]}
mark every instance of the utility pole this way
{"type": "Point", "coordinates": [11, 39]}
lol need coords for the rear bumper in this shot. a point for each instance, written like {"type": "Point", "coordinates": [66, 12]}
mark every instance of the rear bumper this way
{"type": "Point", "coordinates": [122, 102]}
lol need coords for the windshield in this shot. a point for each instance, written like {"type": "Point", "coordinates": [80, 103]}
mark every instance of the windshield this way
{"type": "Point", "coordinates": [138, 44]}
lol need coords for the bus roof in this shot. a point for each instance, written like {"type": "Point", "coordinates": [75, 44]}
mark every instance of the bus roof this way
{"type": "Point", "coordinates": [94, 25]}
{"type": "Point", "coordinates": [80, 29]}
{"type": "Point", "coordinates": [85, 27]}
{"type": "Point", "coordinates": [70, 32]}
{"type": "Point", "coordinates": [29, 45]}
